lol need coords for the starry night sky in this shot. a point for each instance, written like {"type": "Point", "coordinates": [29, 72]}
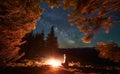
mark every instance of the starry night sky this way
{"type": "Point", "coordinates": [70, 36]}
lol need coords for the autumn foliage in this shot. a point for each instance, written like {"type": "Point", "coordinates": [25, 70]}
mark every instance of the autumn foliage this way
{"type": "Point", "coordinates": [18, 17]}
{"type": "Point", "coordinates": [90, 15]}
{"type": "Point", "coordinates": [109, 51]}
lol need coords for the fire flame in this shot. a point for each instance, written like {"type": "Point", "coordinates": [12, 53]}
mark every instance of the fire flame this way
{"type": "Point", "coordinates": [54, 62]}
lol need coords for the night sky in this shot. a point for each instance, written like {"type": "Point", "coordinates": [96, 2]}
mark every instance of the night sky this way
{"type": "Point", "coordinates": [70, 36]}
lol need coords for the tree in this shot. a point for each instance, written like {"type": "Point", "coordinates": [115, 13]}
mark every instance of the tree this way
{"type": "Point", "coordinates": [33, 46]}
{"type": "Point", "coordinates": [27, 46]}
{"type": "Point", "coordinates": [39, 45]}
{"type": "Point", "coordinates": [18, 17]}
{"type": "Point", "coordinates": [51, 47]}
{"type": "Point", "coordinates": [109, 51]}
{"type": "Point", "coordinates": [90, 15]}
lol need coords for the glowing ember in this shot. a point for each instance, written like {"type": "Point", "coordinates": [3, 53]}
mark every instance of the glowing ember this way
{"type": "Point", "coordinates": [54, 62]}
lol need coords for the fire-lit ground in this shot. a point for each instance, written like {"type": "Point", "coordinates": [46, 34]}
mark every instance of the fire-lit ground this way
{"type": "Point", "coordinates": [34, 70]}
{"type": "Point", "coordinates": [53, 70]}
{"type": "Point", "coordinates": [53, 66]}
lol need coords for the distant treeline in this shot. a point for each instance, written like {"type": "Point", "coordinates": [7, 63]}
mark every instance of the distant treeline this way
{"type": "Point", "coordinates": [36, 46]}
{"type": "Point", "coordinates": [86, 56]}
